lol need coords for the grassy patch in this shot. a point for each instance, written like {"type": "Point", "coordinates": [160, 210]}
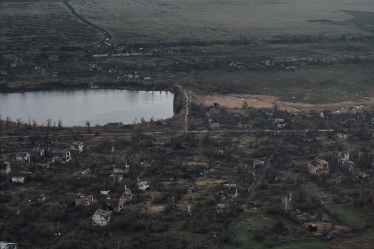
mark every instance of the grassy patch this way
{"type": "Point", "coordinates": [245, 230]}
{"type": "Point", "coordinates": [349, 214]}
{"type": "Point", "coordinates": [310, 84]}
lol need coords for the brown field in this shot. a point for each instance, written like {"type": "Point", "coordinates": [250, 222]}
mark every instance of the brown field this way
{"type": "Point", "coordinates": [45, 22]}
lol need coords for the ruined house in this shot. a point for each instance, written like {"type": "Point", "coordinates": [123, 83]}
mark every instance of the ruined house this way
{"type": "Point", "coordinates": [276, 134]}
{"type": "Point", "coordinates": [268, 111]}
{"type": "Point", "coordinates": [23, 157]}
{"type": "Point", "coordinates": [189, 190]}
{"type": "Point", "coordinates": [77, 146]}
{"type": "Point", "coordinates": [371, 122]}
{"type": "Point", "coordinates": [5, 168]}
{"type": "Point", "coordinates": [127, 194]}
{"type": "Point", "coordinates": [318, 166]}
{"type": "Point", "coordinates": [143, 185]}
{"type": "Point", "coordinates": [230, 191]}
{"type": "Point", "coordinates": [114, 125]}
{"type": "Point", "coordinates": [92, 67]}
{"type": "Point", "coordinates": [105, 192]}
{"type": "Point", "coordinates": [223, 208]}
{"type": "Point", "coordinates": [313, 228]}
{"type": "Point", "coordinates": [214, 110]}
{"type": "Point", "coordinates": [84, 200]}
{"type": "Point", "coordinates": [3, 73]}
{"type": "Point", "coordinates": [290, 68]}
{"type": "Point", "coordinates": [258, 163]}
{"type": "Point", "coordinates": [280, 123]}
{"type": "Point", "coordinates": [363, 176]}
{"type": "Point", "coordinates": [116, 202]}
{"type": "Point", "coordinates": [146, 77]}
{"type": "Point", "coordinates": [8, 245]}
{"type": "Point", "coordinates": [326, 114]}
{"type": "Point", "coordinates": [38, 151]}
{"type": "Point", "coordinates": [340, 133]}
{"type": "Point", "coordinates": [121, 168]}
{"type": "Point", "coordinates": [213, 124]}
{"type": "Point", "coordinates": [115, 178]}
{"type": "Point", "coordinates": [184, 145]}
{"type": "Point", "coordinates": [61, 155]}
{"type": "Point", "coordinates": [41, 197]}
{"type": "Point", "coordinates": [101, 217]}
{"type": "Point", "coordinates": [42, 165]}
{"type": "Point", "coordinates": [352, 110]}
{"type": "Point", "coordinates": [166, 51]}
{"type": "Point", "coordinates": [20, 179]}
{"type": "Point", "coordinates": [166, 177]}
{"type": "Point", "coordinates": [341, 157]}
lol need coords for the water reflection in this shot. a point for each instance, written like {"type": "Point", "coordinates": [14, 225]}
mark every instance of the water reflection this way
{"type": "Point", "coordinates": [99, 106]}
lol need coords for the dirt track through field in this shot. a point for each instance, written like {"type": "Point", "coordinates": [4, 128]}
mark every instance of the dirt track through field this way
{"type": "Point", "coordinates": [105, 33]}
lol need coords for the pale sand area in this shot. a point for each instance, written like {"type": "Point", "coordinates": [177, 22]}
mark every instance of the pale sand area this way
{"type": "Point", "coordinates": [232, 101]}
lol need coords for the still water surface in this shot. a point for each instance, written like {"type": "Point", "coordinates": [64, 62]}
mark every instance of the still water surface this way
{"type": "Point", "coordinates": [99, 106]}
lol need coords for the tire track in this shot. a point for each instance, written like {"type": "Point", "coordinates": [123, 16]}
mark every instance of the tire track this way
{"type": "Point", "coordinates": [105, 33]}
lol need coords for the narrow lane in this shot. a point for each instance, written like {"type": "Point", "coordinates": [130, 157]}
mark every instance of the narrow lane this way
{"type": "Point", "coordinates": [105, 33]}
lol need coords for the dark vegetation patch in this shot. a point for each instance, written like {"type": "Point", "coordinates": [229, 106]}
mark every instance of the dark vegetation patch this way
{"type": "Point", "coordinates": [321, 21]}
{"type": "Point", "coordinates": [46, 29]}
{"type": "Point", "coordinates": [362, 19]}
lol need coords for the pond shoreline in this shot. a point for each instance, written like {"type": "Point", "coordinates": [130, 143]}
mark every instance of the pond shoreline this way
{"type": "Point", "coordinates": [98, 106]}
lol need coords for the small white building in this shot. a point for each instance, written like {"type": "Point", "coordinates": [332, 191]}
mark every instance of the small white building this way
{"type": "Point", "coordinates": [20, 179]}
{"type": "Point", "coordinates": [8, 245]}
{"type": "Point", "coordinates": [143, 185]}
{"type": "Point", "coordinates": [77, 146]}
{"type": "Point", "coordinates": [105, 192]}
{"type": "Point", "coordinates": [101, 217]}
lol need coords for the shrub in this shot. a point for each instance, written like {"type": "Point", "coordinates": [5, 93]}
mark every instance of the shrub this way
{"type": "Point", "coordinates": [5, 198]}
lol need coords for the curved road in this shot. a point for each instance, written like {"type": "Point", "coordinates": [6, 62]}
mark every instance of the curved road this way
{"type": "Point", "coordinates": [105, 33]}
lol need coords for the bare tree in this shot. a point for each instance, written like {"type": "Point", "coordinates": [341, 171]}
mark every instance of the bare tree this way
{"type": "Point", "coordinates": [8, 120]}
{"type": "Point", "coordinates": [34, 123]}
{"type": "Point", "coordinates": [88, 124]}
{"type": "Point", "coordinates": [18, 120]}
{"type": "Point", "coordinates": [245, 105]}
{"type": "Point", "coordinates": [59, 123]}
{"type": "Point", "coordinates": [49, 122]}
